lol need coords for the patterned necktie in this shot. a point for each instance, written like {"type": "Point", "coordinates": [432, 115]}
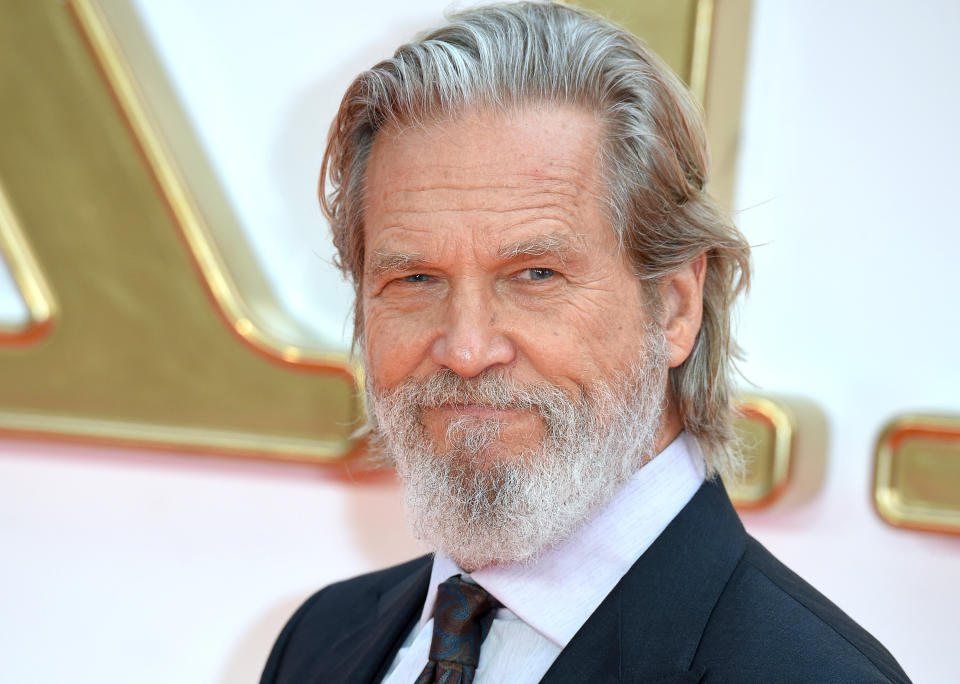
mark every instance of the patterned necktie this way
{"type": "Point", "coordinates": [461, 620]}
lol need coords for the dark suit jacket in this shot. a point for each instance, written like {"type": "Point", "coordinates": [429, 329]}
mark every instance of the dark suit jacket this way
{"type": "Point", "coordinates": [706, 602]}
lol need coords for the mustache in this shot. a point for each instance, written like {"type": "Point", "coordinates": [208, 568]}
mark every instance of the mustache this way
{"type": "Point", "coordinates": [490, 389]}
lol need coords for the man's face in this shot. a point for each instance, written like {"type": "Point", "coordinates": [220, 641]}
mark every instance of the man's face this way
{"type": "Point", "coordinates": [513, 373]}
{"type": "Point", "coordinates": [488, 250]}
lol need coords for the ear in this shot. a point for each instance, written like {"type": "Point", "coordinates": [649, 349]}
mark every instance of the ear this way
{"type": "Point", "coordinates": [681, 300]}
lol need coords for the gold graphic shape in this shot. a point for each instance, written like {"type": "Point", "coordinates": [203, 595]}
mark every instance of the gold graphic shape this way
{"type": "Point", "coordinates": [917, 473]}
{"type": "Point", "coordinates": [705, 43]}
{"type": "Point", "coordinates": [147, 346]}
{"type": "Point", "coordinates": [766, 431]}
{"type": "Point", "coordinates": [231, 272]}
{"type": "Point", "coordinates": [784, 441]}
{"type": "Point", "coordinates": [28, 278]}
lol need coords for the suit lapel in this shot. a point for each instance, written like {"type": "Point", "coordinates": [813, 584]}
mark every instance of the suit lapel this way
{"type": "Point", "coordinates": [368, 650]}
{"type": "Point", "coordinates": [648, 628]}
{"type": "Point", "coordinates": [593, 655]}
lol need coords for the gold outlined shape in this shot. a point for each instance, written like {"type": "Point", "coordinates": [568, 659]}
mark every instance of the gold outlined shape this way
{"type": "Point", "coordinates": [771, 427]}
{"type": "Point", "coordinates": [29, 279]}
{"type": "Point", "coordinates": [700, 52]}
{"type": "Point", "coordinates": [917, 473]}
{"type": "Point", "coordinates": [140, 355]}
{"type": "Point", "coordinates": [221, 286]}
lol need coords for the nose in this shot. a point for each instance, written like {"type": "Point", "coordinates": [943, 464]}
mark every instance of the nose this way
{"type": "Point", "coordinates": [471, 340]}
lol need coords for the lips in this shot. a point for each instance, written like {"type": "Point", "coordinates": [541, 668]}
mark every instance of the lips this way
{"type": "Point", "coordinates": [477, 410]}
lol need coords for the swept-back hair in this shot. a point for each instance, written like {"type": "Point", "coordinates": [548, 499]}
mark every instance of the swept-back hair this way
{"type": "Point", "coordinates": [653, 158]}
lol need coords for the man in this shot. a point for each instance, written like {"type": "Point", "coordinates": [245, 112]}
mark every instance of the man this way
{"type": "Point", "coordinates": [543, 308]}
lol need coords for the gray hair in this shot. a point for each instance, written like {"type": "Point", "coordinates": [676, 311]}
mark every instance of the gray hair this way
{"type": "Point", "coordinates": [654, 160]}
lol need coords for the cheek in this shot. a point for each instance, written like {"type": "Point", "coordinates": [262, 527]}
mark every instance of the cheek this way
{"type": "Point", "coordinates": [601, 336]}
{"type": "Point", "coordinates": [395, 345]}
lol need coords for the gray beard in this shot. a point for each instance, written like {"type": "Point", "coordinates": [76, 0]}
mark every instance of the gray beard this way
{"type": "Point", "coordinates": [482, 510]}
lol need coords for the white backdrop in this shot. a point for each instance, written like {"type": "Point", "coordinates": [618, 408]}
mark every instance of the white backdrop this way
{"type": "Point", "coordinates": [123, 565]}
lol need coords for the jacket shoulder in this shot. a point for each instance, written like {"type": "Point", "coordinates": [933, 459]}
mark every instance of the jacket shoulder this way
{"type": "Point", "coordinates": [326, 616]}
{"type": "Point", "coordinates": [770, 625]}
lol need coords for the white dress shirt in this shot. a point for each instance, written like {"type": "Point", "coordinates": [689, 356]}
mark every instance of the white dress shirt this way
{"type": "Point", "coordinates": [546, 602]}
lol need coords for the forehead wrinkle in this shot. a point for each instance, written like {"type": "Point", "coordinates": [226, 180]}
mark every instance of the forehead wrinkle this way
{"type": "Point", "coordinates": [537, 166]}
{"type": "Point", "coordinates": [516, 193]}
{"type": "Point", "coordinates": [549, 205]}
{"type": "Point", "coordinates": [395, 219]}
{"type": "Point", "coordinates": [557, 178]}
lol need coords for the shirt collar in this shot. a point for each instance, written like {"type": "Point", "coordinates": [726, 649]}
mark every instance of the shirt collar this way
{"type": "Point", "coordinates": [586, 567]}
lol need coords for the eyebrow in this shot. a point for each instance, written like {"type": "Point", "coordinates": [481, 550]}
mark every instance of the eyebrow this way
{"type": "Point", "coordinates": [557, 244]}
{"type": "Point", "coordinates": [388, 261]}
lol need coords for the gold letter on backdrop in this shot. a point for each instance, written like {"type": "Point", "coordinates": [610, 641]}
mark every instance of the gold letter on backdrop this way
{"type": "Point", "coordinates": [917, 473]}
{"type": "Point", "coordinates": [150, 341]}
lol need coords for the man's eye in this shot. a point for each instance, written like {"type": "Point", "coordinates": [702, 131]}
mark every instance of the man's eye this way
{"type": "Point", "coordinates": [416, 278]}
{"type": "Point", "coordinates": [540, 273]}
